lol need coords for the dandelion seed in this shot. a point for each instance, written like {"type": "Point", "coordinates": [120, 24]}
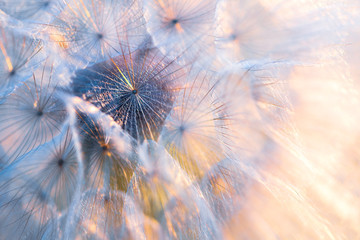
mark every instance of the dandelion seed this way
{"type": "Point", "coordinates": [19, 57]}
{"type": "Point", "coordinates": [109, 158]}
{"type": "Point", "coordinates": [101, 215]}
{"type": "Point", "coordinates": [52, 168]}
{"type": "Point", "coordinates": [265, 108]}
{"type": "Point", "coordinates": [25, 205]}
{"type": "Point", "coordinates": [151, 185]}
{"type": "Point", "coordinates": [181, 26]}
{"type": "Point", "coordinates": [173, 202]}
{"type": "Point", "coordinates": [196, 127]}
{"type": "Point", "coordinates": [35, 10]}
{"type": "Point", "coordinates": [224, 187]}
{"type": "Point", "coordinates": [31, 115]}
{"type": "Point", "coordinates": [242, 29]}
{"type": "Point", "coordinates": [137, 90]}
{"type": "Point", "coordinates": [185, 220]}
{"type": "Point", "coordinates": [107, 164]}
{"type": "Point", "coordinates": [250, 29]}
{"type": "Point", "coordinates": [25, 213]}
{"type": "Point", "coordinates": [270, 91]}
{"type": "Point", "coordinates": [170, 201]}
{"type": "Point", "coordinates": [90, 30]}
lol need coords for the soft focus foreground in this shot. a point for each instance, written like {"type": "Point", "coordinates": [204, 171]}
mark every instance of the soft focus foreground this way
{"type": "Point", "coordinates": [179, 119]}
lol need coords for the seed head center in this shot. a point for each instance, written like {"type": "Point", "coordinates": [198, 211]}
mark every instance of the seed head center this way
{"type": "Point", "coordinates": [174, 21]}
{"type": "Point", "coordinates": [61, 162]}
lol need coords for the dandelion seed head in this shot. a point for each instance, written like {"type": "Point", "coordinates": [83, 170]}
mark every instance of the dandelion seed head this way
{"type": "Point", "coordinates": [178, 119]}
